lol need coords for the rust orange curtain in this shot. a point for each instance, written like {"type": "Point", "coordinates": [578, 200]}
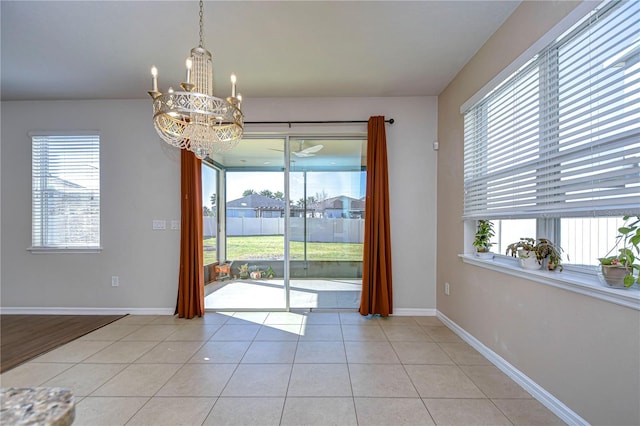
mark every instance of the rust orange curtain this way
{"type": "Point", "coordinates": [377, 294]}
{"type": "Point", "coordinates": [191, 280]}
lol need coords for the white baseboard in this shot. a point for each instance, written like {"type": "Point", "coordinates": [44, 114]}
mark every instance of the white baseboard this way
{"type": "Point", "coordinates": [400, 312]}
{"type": "Point", "coordinates": [538, 392]}
{"type": "Point", "coordinates": [85, 311]}
{"type": "Point", "coordinates": [414, 312]}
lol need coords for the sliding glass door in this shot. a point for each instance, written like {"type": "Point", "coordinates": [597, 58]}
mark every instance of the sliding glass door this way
{"type": "Point", "coordinates": [290, 232]}
{"type": "Point", "coordinates": [327, 181]}
{"type": "Point", "coordinates": [210, 215]}
{"type": "Point", "coordinates": [252, 224]}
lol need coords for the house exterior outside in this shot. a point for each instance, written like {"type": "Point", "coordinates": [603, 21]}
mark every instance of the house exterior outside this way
{"type": "Point", "coordinates": [255, 205]}
{"type": "Point", "coordinates": [340, 207]}
{"type": "Point", "coordinates": [260, 206]}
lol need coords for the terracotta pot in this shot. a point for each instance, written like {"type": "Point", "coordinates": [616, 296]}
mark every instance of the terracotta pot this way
{"type": "Point", "coordinates": [223, 269]}
{"type": "Point", "coordinates": [613, 275]}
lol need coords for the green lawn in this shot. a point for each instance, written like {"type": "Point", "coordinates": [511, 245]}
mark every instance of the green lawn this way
{"type": "Point", "coordinates": [272, 247]}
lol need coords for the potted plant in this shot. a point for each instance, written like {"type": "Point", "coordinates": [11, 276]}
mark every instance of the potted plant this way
{"type": "Point", "coordinates": [532, 253]}
{"type": "Point", "coordinates": [243, 271]}
{"type": "Point", "coordinates": [618, 270]}
{"type": "Point", "coordinates": [255, 272]}
{"type": "Point", "coordinates": [270, 272]}
{"type": "Point", "coordinates": [223, 270]}
{"type": "Point", "coordinates": [482, 241]}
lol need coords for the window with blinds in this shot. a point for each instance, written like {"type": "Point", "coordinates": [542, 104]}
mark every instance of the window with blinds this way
{"type": "Point", "coordinates": [561, 136]}
{"type": "Point", "coordinates": [65, 191]}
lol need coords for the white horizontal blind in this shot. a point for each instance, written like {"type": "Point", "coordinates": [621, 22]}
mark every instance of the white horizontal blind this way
{"type": "Point", "coordinates": [66, 191]}
{"type": "Point", "coordinates": [561, 137]}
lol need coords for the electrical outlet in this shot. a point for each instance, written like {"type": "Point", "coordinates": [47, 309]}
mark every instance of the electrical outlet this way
{"type": "Point", "coordinates": [175, 224]}
{"type": "Point", "coordinates": [446, 288]}
{"type": "Point", "coordinates": [115, 281]}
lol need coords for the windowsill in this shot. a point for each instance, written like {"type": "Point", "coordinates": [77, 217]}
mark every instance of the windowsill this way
{"type": "Point", "coordinates": [585, 284]}
{"type": "Point", "coordinates": [73, 250]}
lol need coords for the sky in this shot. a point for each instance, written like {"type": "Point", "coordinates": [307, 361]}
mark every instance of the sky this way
{"type": "Point", "coordinates": [351, 184]}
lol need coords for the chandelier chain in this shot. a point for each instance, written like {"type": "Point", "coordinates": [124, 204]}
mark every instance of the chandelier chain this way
{"type": "Point", "coordinates": [201, 25]}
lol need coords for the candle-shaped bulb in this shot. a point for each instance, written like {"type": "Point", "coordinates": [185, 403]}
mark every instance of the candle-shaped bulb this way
{"type": "Point", "coordinates": [170, 90]}
{"type": "Point", "coordinates": [154, 78]}
{"type": "Point", "coordinates": [189, 64]}
{"type": "Point", "coordinates": [239, 100]}
{"type": "Point", "coordinates": [233, 85]}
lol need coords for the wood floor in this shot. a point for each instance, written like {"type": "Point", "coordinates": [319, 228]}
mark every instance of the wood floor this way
{"type": "Point", "coordinates": [23, 337]}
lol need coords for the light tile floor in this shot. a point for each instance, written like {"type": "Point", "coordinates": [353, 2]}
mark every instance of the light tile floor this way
{"type": "Point", "coordinates": [260, 368]}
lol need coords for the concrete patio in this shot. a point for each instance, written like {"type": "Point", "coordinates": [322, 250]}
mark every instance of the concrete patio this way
{"type": "Point", "coordinates": [269, 294]}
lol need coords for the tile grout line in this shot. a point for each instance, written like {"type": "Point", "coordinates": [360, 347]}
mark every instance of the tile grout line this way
{"type": "Point", "coordinates": [129, 364]}
{"type": "Point", "coordinates": [424, 404]}
{"type": "Point", "coordinates": [346, 356]}
{"type": "Point", "coordinates": [472, 381]}
{"type": "Point", "coordinates": [149, 398]}
{"type": "Point", "coordinates": [216, 398]}
{"type": "Point", "coordinates": [293, 362]}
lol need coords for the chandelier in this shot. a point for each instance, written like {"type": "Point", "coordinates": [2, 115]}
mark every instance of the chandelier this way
{"type": "Point", "coordinates": [194, 119]}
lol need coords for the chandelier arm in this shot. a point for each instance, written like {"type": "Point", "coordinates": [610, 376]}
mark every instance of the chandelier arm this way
{"type": "Point", "coordinates": [183, 104]}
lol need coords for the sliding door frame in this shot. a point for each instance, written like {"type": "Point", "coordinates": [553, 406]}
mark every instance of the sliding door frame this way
{"type": "Point", "coordinates": [222, 201]}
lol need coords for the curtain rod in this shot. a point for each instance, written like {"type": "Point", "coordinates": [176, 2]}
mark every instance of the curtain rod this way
{"type": "Point", "coordinates": [390, 121]}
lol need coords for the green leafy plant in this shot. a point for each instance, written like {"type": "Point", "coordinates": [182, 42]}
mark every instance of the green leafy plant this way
{"type": "Point", "coordinates": [484, 233]}
{"type": "Point", "coordinates": [542, 248]}
{"type": "Point", "coordinates": [270, 273]}
{"type": "Point", "coordinates": [243, 271]}
{"type": "Point", "coordinates": [627, 242]}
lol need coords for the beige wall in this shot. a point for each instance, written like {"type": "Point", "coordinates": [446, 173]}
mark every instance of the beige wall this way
{"type": "Point", "coordinates": [585, 352]}
{"type": "Point", "coordinates": [140, 182]}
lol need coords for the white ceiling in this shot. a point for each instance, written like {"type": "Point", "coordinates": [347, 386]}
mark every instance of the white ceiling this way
{"type": "Point", "coordinates": [104, 49]}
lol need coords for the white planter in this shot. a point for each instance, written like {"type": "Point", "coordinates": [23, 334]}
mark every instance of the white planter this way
{"type": "Point", "coordinates": [528, 260]}
{"type": "Point", "coordinates": [487, 255]}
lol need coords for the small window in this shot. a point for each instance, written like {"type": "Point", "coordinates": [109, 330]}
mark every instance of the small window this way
{"type": "Point", "coordinates": [65, 192]}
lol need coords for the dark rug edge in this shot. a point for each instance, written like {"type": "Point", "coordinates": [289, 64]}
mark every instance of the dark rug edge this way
{"type": "Point", "coordinates": [11, 364]}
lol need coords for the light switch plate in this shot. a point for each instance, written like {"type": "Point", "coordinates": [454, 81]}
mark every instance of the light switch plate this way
{"type": "Point", "coordinates": [175, 224]}
{"type": "Point", "coordinates": [159, 224]}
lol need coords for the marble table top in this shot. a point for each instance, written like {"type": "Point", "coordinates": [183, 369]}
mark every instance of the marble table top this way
{"type": "Point", "coordinates": [36, 406]}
